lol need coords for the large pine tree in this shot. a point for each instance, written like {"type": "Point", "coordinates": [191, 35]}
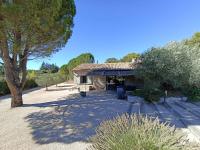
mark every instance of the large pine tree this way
{"type": "Point", "coordinates": [31, 29]}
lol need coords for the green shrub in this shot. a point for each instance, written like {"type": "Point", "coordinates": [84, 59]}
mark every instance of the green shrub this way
{"type": "Point", "coordinates": [4, 88]}
{"type": "Point", "coordinates": [193, 94]}
{"type": "Point", "coordinates": [152, 95]}
{"type": "Point", "coordinates": [149, 95]}
{"type": "Point", "coordinates": [49, 79]}
{"type": "Point", "coordinates": [138, 92]}
{"type": "Point", "coordinates": [137, 133]}
{"type": "Point", "coordinates": [30, 83]}
{"type": "Point", "coordinates": [32, 74]}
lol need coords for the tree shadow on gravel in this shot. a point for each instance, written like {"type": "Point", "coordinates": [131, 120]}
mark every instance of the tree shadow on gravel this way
{"type": "Point", "coordinates": [73, 118]}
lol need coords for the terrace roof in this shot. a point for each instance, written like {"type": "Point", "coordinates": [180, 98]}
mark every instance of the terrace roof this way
{"type": "Point", "coordinates": [107, 69]}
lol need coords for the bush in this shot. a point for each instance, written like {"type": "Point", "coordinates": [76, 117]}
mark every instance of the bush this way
{"type": "Point", "coordinates": [49, 79]}
{"type": "Point", "coordinates": [30, 83]}
{"type": "Point", "coordinates": [4, 88]}
{"type": "Point", "coordinates": [152, 95]}
{"type": "Point", "coordinates": [31, 74]}
{"type": "Point", "coordinates": [193, 94]}
{"type": "Point", "coordinates": [138, 92]}
{"type": "Point", "coordinates": [137, 133]}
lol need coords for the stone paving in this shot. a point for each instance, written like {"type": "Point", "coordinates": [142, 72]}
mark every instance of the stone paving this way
{"type": "Point", "coordinates": [55, 119]}
{"type": "Point", "coordinates": [61, 119]}
{"type": "Point", "coordinates": [184, 115]}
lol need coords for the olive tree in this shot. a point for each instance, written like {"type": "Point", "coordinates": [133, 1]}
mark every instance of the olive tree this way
{"type": "Point", "coordinates": [177, 64]}
{"type": "Point", "coordinates": [30, 29]}
{"type": "Point", "coordinates": [186, 64]}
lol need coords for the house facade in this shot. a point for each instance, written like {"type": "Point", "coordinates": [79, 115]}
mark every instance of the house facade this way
{"type": "Point", "coordinates": [106, 76]}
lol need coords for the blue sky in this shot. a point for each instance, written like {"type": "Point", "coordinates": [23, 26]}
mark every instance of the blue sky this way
{"type": "Point", "coordinates": [113, 28]}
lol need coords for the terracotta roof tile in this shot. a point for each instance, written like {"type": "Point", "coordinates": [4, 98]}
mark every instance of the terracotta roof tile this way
{"type": "Point", "coordinates": [106, 66]}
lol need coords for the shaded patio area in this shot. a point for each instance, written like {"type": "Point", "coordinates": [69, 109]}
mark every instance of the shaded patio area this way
{"type": "Point", "coordinates": [73, 118]}
{"type": "Point", "coordinates": [61, 119]}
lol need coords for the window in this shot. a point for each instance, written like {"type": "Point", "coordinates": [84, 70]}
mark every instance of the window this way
{"type": "Point", "coordinates": [83, 79]}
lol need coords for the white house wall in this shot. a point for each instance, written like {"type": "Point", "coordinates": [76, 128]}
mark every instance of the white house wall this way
{"type": "Point", "coordinates": [76, 79]}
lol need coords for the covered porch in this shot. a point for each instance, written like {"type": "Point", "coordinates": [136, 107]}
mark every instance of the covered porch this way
{"type": "Point", "coordinates": [110, 79]}
{"type": "Point", "coordinates": [106, 76]}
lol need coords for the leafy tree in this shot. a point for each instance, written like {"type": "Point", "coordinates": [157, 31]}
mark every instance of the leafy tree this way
{"type": "Point", "coordinates": [43, 66]}
{"type": "Point", "coordinates": [58, 78]}
{"type": "Point", "coordinates": [176, 64]}
{"type": "Point", "coordinates": [54, 68]}
{"type": "Point", "coordinates": [111, 60]}
{"type": "Point", "coordinates": [195, 40]}
{"type": "Point", "coordinates": [30, 29]}
{"type": "Point", "coordinates": [81, 59]}
{"type": "Point", "coordinates": [127, 58]}
{"type": "Point", "coordinates": [49, 68]}
{"type": "Point", "coordinates": [130, 57]}
{"type": "Point", "coordinates": [64, 71]}
{"type": "Point", "coordinates": [32, 74]}
{"type": "Point", "coordinates": [48, 79]}
{"type": "Point", "coordinates": [186, 64]}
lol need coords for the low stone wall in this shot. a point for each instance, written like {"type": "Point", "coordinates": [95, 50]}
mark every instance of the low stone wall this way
{"type": "Point", "coordinates": [135, 99]}
{"type": "Point", "coordinates": [174, 99]}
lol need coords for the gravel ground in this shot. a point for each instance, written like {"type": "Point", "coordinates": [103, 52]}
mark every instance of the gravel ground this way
{"type": "Point", "coordinates": [56, 119]}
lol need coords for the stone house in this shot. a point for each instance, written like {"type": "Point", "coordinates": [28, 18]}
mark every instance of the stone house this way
{"type": "Point", "coordinates": [106, 76]}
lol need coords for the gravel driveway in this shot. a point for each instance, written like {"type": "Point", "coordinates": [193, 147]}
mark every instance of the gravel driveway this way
{"type": "Point", "coordinates": [55, 119]}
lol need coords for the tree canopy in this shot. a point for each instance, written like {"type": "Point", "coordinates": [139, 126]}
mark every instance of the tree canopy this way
{"type": "Point", "coordinates": [112, 60]}
{"type": "Point", "coordinates": [129, 57]}
{"type": "Point", "coordinates": [30, 29]}
{"type": "Point", "coordinates": [177, 64]}
{"type": "Point", "coordinates": [81, 59]}
{"type": "Point", "coordinates": [41, 26]}
{"type": "Point", "coordinates": [195, 40]}
{"type": "Point", "coordinates": [64, 71]}
{"type": "Point", "coordinates": [49, 68]}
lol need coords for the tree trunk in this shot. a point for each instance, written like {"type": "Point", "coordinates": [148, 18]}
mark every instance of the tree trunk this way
{"type": "Point", "coordinates": [16, 97]}
{"type": "Point", "coordinates": [15, 78]}
{"type": "Point", "coordinates": [16, 88]}
{"type": "Point", "coordinates": [15, 69]}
